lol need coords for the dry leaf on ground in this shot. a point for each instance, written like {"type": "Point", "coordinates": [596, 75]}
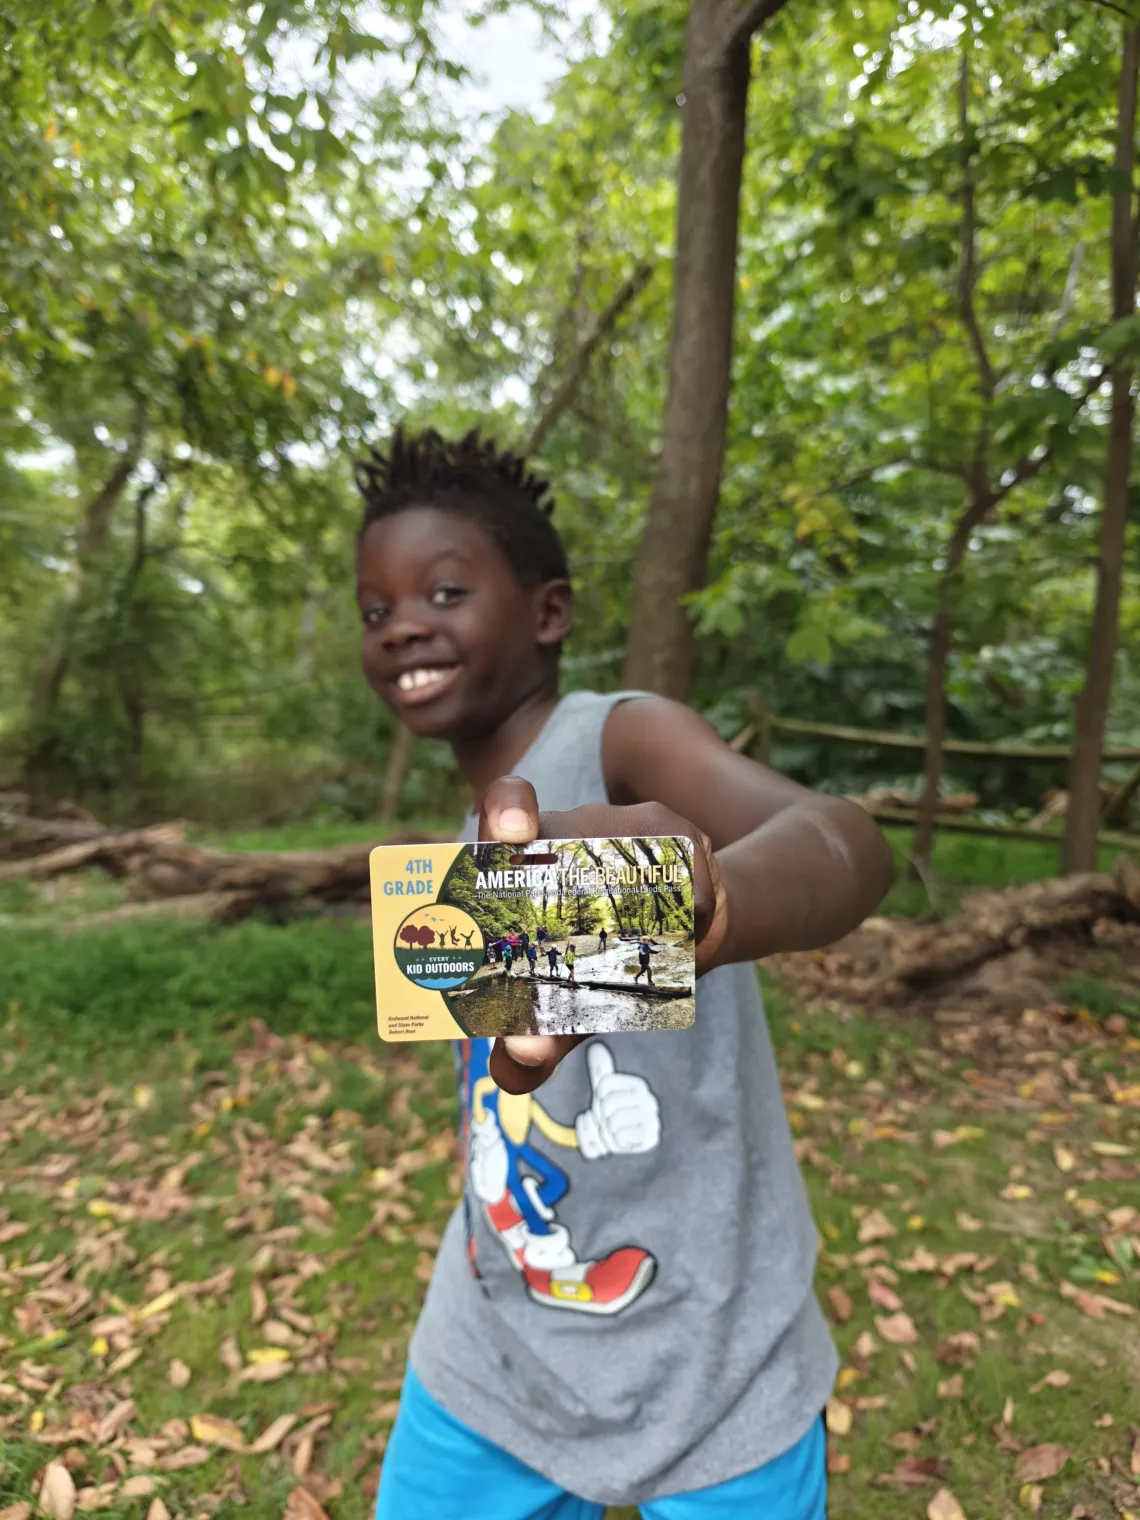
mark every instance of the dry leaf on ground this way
{"type": "Point", "coordinates": [157, 1511]}
{"type": "Point", "coordinates": [875, 1226]}
{"type": "Point", "coordinates": [944, 1506]}
{"type": "Point", "coordinates": [897, 1329]}
{"type": "Point", "coordinates": [215, 1431]}
{"type": "Point", "coordinates": [272, 1436]}
{"type": "Point", "coordinates": [839, 1417]}
{"type": "Point", "coordinates": [178, 1374]}
{"type": "Point", "coordinates": [1039, 1462]}
{"type": "Point", "coordinates": [57, 1493]}
{"type": "Point", "coordinates": [841, 1305]}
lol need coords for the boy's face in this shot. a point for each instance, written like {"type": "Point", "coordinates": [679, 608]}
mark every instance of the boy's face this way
{"type": "Point", "coordinates": [453, 641]}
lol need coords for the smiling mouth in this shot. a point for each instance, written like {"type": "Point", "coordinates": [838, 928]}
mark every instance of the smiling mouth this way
{"type": "Point", "coordinates": [425, 683]}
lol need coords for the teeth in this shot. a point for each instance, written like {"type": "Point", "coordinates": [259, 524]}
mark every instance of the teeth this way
{"type": "Point", "coordinates": [413, 680]}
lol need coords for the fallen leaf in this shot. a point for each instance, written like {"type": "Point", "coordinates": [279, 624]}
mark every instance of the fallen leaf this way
{"type": "Point", "coordinates": [875, 1226]}
{"type": "Point", "coordinates": [1016, 1192]}
{"type": "Point", "coordinates": [215, 1431]}
{"type": "Point", "coordinates": [841, 1305]}
{"type": "Point", "coordinates": [158, 1305]}
{"type": "Point", "coordinates": [1134, 1467]}
{"type": "Point", "coordinates": [261, 1354]}
{"type": "Point", "coordinates": [1039, 1462]}
{"type": "Point", "coordinates": [19, 1511]}
{"type": "Point", "coordinates": [1110, 1148]}
{"type": "Point", "coordinates": [882, 1296]}
{"type": "Point", "coordinates": [229, 1355]}
{"type": "Point", "coordinates": [897, 1329]}
{"type": "Point", "coordinates": [838, 1462]}
{"type": "Point", "coordinates": [114, 1422]}
{"type": "Point", "coordinates": [1030, 1496]}
{"type": "Point", "coordinates": [866, 1345]}
{"type": "Point", "coordinates": [300, 1505]}
{"type": "Point", "coordinates": [157, 1511]}
{"type": "Point", "coordinates": [258, 1301]}
{"type": "Point", "coordinates": [178, 1374]}
{"type": "Point", "coordinates": [911, 1472]}
{"type": "Point", "coordinates": [1007, 1412]}
{"type": "Point", "coordinates": [920, 1260]}
{"type": "Point", "coordinates": [57, 1492]}
{"type": "Point", "coordinates": [303, 1455]}
{"type": "Point", "coordinates": [138, 1487]}
{"type": "Point", "coordinates": [264, 1372]}
{"type": "Point", "coordinates": [839, 1417]}
{"type": "Point", "coordinates": [1063, 1159]}
{"type": "Point", "coordinates": [1104, 1422]}
{"type": "Point", "coordinates": [189, 1456]}
{"type": "Point", "coordinates": [951, 1387]}
{"type": "Point", "coordinates": [272, 1436]}
{"type": "Point", "coordinates": [967, 1222]}
{"type": "Point", "coordinates": [944, 1506]}
{"type": "Point", "coordinates": [1055, 1379]}
{"type": "Point", "coordinates": [959, 1349]}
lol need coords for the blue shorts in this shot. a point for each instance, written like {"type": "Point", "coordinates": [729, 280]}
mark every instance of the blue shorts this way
{"type": "Point", "coordinates": [437, 1469]}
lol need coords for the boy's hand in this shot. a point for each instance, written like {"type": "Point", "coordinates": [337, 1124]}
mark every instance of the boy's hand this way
{"type": "Point", "coordinates": [520, 1063]}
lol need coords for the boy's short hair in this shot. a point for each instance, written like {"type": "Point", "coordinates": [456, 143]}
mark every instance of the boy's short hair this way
{"type": "Point", "coordinates": [494, 488]}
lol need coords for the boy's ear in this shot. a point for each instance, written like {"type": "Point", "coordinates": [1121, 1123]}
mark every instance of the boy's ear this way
{"type": "Point", "coordinates": [553, 613]}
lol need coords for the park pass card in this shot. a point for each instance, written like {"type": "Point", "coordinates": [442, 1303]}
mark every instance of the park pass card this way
{"type": "Point", "coordinates": [564, 936]}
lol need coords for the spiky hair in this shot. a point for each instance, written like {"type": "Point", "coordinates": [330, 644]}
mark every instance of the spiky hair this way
{"type": "Point", "coordinates": [473, 477]}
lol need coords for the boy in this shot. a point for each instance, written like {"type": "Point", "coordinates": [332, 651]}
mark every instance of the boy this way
{"type": "Point", "coordinates": [532, 958]}
{"type": "Point", "coordinates": [602, 939]}
{"type": "Point", "coordinates": [552, 961]}
{"type": "Point", "coordinates": [644, 951]}
{"type": "Point", "coordinates": [509, 958]}
{"type": "Point", "coordinates": [622, 1312]}
{"type": "Point", "coordinates": [569, 958]}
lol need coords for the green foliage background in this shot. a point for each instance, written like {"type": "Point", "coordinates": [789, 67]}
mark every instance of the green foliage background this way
{"type": "Point", "coordinates": [237, 243]}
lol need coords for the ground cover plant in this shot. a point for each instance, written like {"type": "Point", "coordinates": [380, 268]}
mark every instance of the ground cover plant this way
{"type": "Point", "coordinates": [221, 1196]}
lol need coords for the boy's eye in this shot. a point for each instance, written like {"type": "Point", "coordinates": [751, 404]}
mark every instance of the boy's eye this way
{"type": "Point", "coordinates": [442, 595]}
{"type": "Point", "coordinates": [374, 616]}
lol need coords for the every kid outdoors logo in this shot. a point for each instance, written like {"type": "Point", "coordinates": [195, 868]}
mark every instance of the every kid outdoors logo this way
{"type": "Point", "coordinates": [440, 947]}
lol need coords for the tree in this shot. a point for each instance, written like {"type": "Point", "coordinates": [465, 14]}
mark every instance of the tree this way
{"type": "Point", "coordinates": [673, 556]}
{"type": "Point", "coordinates": [1080, 850]}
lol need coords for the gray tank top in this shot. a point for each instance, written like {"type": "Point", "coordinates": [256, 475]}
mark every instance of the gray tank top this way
{"type": "Point", "coordinates": [624, 1299]}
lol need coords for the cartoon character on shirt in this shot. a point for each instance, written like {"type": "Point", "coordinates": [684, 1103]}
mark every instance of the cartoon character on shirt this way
{"type": "Point", "coordinates": [518, 1186]}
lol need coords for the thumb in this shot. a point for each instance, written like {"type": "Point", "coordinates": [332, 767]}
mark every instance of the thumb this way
{"type": "Point", "coordinates": [509, 812]}
{"type": "Point", "coordinates": [599, 1063]}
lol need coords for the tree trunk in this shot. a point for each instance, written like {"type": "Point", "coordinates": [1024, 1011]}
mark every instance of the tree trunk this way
{"type": "Point", "coordinates": [937, 664]}
{"type": "Point", "coordinates": [673, 555]}
{"type": "Point", "coordinates": [1092, 705]}
{"type": "Point", "coordinates": [94, 533]}
{"type": "Point", "coordinates": [399, 759]}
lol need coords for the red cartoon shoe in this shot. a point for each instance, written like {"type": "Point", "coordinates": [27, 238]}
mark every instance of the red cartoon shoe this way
{"type": "Point", "coordinates": [592, 1287]}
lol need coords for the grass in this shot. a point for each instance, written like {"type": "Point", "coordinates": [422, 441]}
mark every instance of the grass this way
{"type": "Point", "coordinates": [964, 863]}
{"type": "Point", "coordinates": [207, 1158]}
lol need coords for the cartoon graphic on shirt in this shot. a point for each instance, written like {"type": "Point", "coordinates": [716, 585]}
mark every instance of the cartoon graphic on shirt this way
{"type": "Point", "coordinates": [623, 1119]}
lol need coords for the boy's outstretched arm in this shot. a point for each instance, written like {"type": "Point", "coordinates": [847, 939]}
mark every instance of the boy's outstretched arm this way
{"type": "Point", "coordinates": [798, 869]}
{"type": "Point", "coordinates": [777, 867]}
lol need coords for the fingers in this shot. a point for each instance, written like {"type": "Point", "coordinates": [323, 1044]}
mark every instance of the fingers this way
{"type": "Point", "coordinates": [520, 1063]}
{"type": "Point", "coordinates": [510, 811]}
{"type": "Point", "coordinates": [599, 1063]}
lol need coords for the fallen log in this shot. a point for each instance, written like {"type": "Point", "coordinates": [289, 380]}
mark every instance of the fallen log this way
{"type": "Point", "coordinates": [894, 797]}
{"type": "Point", "coordinates": [114, 851]}
{"type": "Point", "coordinates": [989, 924]}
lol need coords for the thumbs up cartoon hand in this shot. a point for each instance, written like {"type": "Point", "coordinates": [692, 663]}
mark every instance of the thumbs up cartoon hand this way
{"type": "Point", "coordinates": [623, 1118]}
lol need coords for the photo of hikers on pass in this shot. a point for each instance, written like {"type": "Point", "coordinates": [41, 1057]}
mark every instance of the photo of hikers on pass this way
{"type": "Point", "coordinates": [596, 940]}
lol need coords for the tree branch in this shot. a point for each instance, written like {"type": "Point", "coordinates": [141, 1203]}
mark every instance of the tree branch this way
{"type": "Point", "coordinates": [1029, 466]}
{"type": "Point", "coordinates": [750, 18]}
{"type": "Point", "coordinates": [968, 277]}
{"type": "Point", "coordinates": [580, 363]}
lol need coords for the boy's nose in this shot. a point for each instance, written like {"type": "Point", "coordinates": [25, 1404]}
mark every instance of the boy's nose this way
{"type": "Point", "coordinates": [404, 628]}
